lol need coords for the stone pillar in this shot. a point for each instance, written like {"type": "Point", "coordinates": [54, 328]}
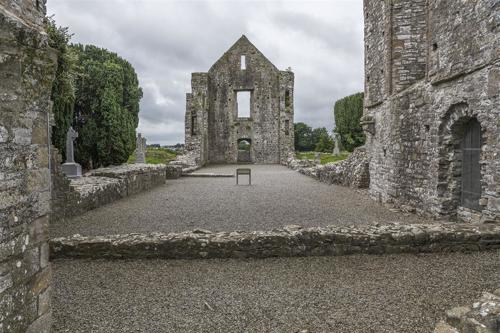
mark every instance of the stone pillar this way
{"type": "Point", "coordinates": [336, 149]}
{"type": "Point", "coordinates": [71, 169]}
{"type": "Point", "coordinates": [27, 68]}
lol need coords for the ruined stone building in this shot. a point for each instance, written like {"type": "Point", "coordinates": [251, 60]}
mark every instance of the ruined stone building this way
{"type": "Point", "coordinates": [241, 110]}
{"type": "Point", "coordinates": [432, 108]}
{"type": "Point", "coordinates": [27, 68]}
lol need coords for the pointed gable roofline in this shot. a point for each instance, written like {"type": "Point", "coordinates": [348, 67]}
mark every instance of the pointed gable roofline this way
{"type": "Point", "coordinates": [243, 40]}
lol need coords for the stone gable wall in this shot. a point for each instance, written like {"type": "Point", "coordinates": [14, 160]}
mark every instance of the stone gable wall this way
{"type": "Point", "coordinates": [27, 67]}
{"type": "Point", "coordinates": [212, 124]}
{"type": "Point", "coordinates": [439, 79]}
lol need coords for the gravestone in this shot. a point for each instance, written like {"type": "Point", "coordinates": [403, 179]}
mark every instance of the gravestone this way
{"type": "Point", "coordinates": [317, 158]}
{"type": "Point", "coordinates": [71, 169]}
{"type": "Point", "coordinates": [140, 151]}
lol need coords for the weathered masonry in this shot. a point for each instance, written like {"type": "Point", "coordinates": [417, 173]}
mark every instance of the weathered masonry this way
{"type": "Point", "coordinates": [27, 67]}
{"type": "Point", "coordinates": [432, 108]}
{"type": "Point", "coordinates": [241, 110]}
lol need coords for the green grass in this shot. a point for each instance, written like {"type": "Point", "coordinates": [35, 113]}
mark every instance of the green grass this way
{"type": "Point", "coordinates": [324, 157]}
{"type": "Point", "coordinates": [156, 156]}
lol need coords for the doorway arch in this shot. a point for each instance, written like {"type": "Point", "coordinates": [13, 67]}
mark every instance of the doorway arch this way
{"type": "Point", "coordinates": [245, 150]}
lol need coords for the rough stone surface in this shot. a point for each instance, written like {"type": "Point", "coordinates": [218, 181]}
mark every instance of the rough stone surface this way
{"type": "Point", "coordinates": [430, 67]}
{"type": "Point", "coordinates": [352, 172]}
{"type": "Point", "coordinates": [402, 293]}
{"type": "Point", "coordinates": [213, 125]}
{"type": "Point", "coordinates": [289, 242]}
{"type": "Point", "coordinates": [173, 171]}
{"type": "Point", "coordinates": [483, 316]}
{"type": "Point", "coordinates": [102, 186]}
{"type": "Point", "coordinates": [27, 68]}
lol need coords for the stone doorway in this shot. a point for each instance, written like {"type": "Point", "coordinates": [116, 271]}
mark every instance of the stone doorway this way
{"type": "Point", "coordinates": [244, 151]}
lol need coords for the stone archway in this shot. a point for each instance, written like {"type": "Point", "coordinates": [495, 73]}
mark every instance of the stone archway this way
{"type": "Point", "coordinates": [459, 180]}
{"type": "Point", "coordinates": [245, 150]}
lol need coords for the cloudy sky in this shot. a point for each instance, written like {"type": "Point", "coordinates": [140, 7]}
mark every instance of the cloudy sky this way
{"type": "Point", "coordinates": [165, 40]}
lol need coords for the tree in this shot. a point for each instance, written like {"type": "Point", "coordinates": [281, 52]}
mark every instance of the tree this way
{"type": "Point", "coordinates": [348, 112]}
{"type": "Point", "coordinates": [63, 88]}
{"type": "Point", "coordinates": [303, 137]}
{"type": "Point", "coordinates": [323, 141]}
{"type": "Point", "coordinates": [106, 108]}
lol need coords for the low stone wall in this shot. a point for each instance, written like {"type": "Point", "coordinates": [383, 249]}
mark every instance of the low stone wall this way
{"type": "Point", "coordinates": [352, 172]}
{"type": "Point", "coordinates": [137, 177]}
{"type": "Point", "coordinates": [173, 171]}
{"type": "Point", "coordinates": [483, 316]}
{"type": "Point", "coordinates": [72, 197]}
{"type": "Point", "coordinates": [291, 241]}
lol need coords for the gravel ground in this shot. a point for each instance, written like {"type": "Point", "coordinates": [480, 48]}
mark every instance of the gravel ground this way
{"type": "Point", "coordinates": [393, 293]}
{"type": "Point", "coordinates": [278, 197]}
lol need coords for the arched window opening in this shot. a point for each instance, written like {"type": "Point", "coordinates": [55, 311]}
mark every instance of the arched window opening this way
{"type": "Point", "coordinates": [194, 124]}
{"type": "Point", "coordinates": [243, 104]}
{"type": "Point", "coordinates": [471, 169]}
{"type": "Point", "coordinates": [243, 62]}
{"type": "Point", "coordinates": [287, 99]}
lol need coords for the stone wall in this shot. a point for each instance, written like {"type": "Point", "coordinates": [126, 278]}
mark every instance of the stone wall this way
{"type": "Point", "coordinates": [213, 126]}
{"type": "Point", "coordinates": [99, 187]}
{"type": "Point", "coordinates": [483, 316]}
{"type": "Point", "coordinates": [352, 172]}
{"type": "Point", "coordinates": [441, 66]}
{"type": "Point", "coordinates": [289, 242]}
{"type": "Point", "coordinates": [27, 67]}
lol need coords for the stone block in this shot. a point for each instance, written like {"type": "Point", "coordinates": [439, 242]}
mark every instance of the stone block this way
{"type": "Point", "coordinates": [72, 170]}
{"type": "Point", "coordinates": [443, 327]}
{"type": "Point", "coordinates": [44, 301]}
{"type": "Point", "coordinates": [41, 325]}
{"type": "Point", "coordinates": [44, 255]}
{"type": "Point", "coordinates": [41, 281]}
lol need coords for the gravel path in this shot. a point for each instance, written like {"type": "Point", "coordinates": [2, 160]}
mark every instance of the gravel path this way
{"type": "Point", "coordinates": [393, 293]}
{"type": "Point", "coordinates": [278, 197]}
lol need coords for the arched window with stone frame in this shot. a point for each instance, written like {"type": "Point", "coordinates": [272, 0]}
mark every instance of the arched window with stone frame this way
{"type": "Point", "coordinates": [460, 176]}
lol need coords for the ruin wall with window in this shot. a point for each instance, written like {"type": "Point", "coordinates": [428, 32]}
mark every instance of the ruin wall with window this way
{"type": "Point", "coordinates": [432, 70]}
{"type": "Point", "coordinates": [215, 124]}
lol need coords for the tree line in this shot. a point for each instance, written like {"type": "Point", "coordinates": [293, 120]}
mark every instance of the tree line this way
{"type": "Point", "coordinates": [347, 114]}
{"type": "Point", "coordinates": [98, 93]}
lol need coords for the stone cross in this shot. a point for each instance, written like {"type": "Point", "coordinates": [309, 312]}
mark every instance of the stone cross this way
{"type": "Point", "coordinates": [70, 150]}
{"type": "Point", "coordinates": [140, 151]}
{"type": "Point", "coordinates": [70, 168]}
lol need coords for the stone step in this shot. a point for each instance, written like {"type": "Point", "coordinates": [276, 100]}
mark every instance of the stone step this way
{"type": "Point", "coordinates": [208, 174]}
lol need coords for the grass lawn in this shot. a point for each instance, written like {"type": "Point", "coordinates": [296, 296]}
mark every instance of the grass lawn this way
{"type": "Point", "coordinates": [156, 156]}
{"type": "Point", "coordinates": [325, 157]}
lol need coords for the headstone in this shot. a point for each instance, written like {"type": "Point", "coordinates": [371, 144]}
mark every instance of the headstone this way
{"type": "Point", "coordinates": [140, 150]}
{"type": "Point", "coordinates": [71, 169]}
{"type": "Point", "coordinates": [317, 158]}
{"type": "Point", "coordinates": [336, 149]}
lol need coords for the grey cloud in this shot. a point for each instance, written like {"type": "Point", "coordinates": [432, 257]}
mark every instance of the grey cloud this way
{"type": "Point", "coordinates": [167, 40]}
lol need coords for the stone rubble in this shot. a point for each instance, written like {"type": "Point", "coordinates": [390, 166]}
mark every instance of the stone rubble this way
{"type": "Point", "coordinates": [352, 172]}
{"type": "Point", "coordinates": [482, 317]}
